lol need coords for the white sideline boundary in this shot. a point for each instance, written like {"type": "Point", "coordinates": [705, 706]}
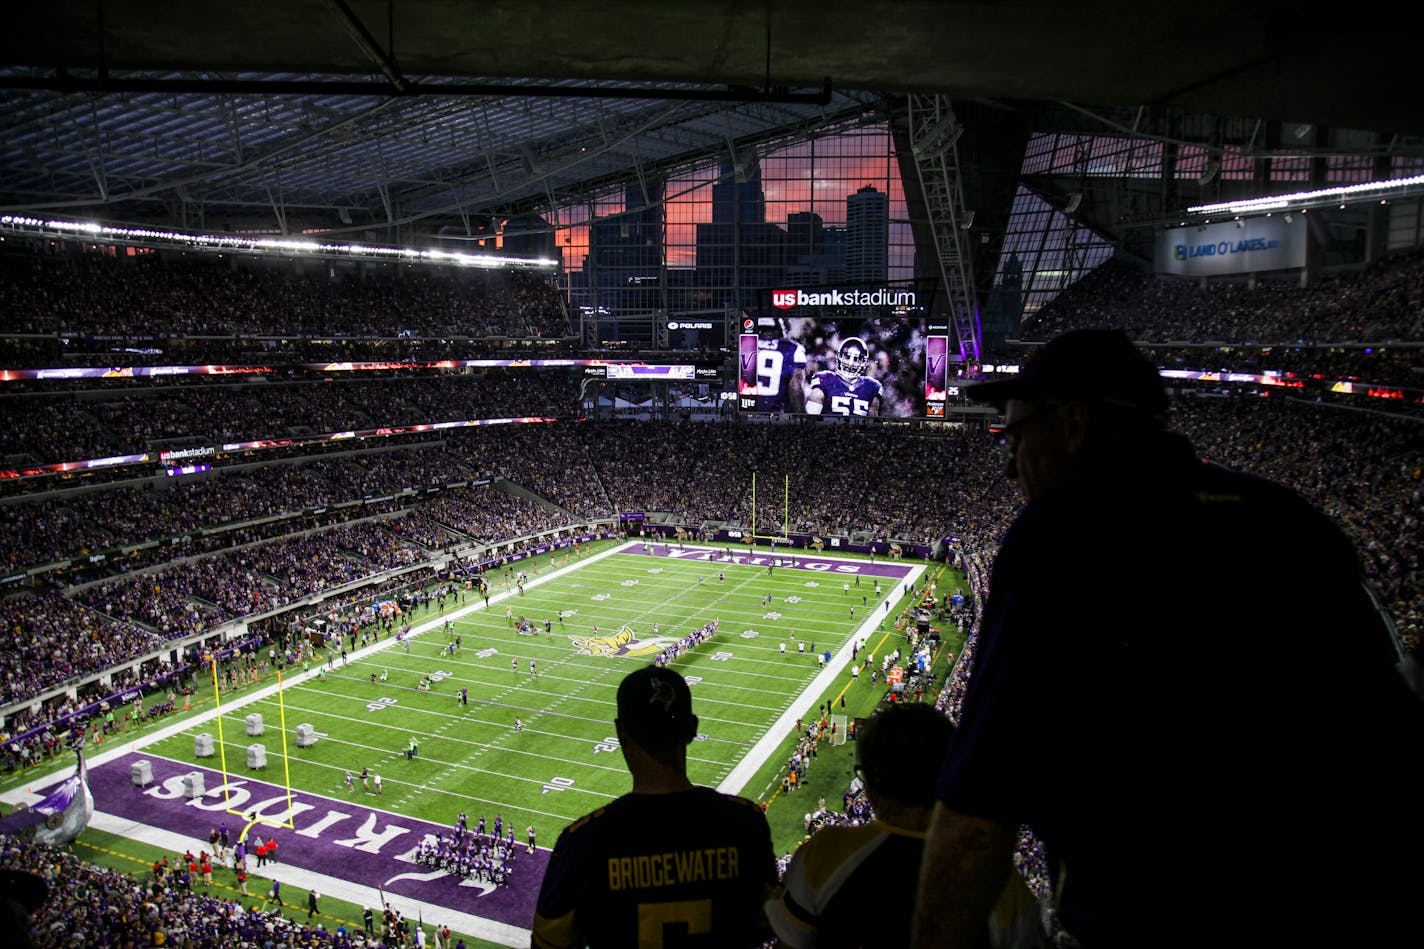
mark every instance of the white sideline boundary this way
{"type": "Point", "coordinates": [737, 779]}
{"type": "Point", "coordinates": [188, 722]}
{"type": "Point", "coordinates": [465, 923]}
{"type": "Point", "coordinates": [300, 881]}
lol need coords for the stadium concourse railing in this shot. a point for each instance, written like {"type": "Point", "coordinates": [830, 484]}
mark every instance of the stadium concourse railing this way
{"type": "Point", "coordinates": [225, 639]}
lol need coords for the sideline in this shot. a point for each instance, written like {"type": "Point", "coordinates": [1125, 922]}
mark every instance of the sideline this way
{"type": "Point", "coordinates": [762, 751]}
{"type": "Point", "coordinates": [304, 880]}
{"type": "Point", "coordinates": [179, 726]}
{"type": "Point", "coordinates": [465, 923]}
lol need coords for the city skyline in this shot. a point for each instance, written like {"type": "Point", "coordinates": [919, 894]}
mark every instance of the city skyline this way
{"type": "Point", "coordinates": [739, 255]}
{"type": "Point", "coordinates": [811, 177]}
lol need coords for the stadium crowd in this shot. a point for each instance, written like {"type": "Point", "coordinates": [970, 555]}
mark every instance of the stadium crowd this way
{"type": "Point", "coordinates": [1365, 469]}
{"type": "Point", "coordinates": [64, 304]}
{"type": "Point", "coordinates": [137, 417]}
{"type": "Point", "coordinates": [1384, 303]}
{"type": "Point", "coordinates": [93, 905]}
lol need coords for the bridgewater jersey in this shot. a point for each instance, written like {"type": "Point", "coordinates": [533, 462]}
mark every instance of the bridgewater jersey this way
{"type": "Point", "coordinates": [845, 398]}
{"type": "Point", "coordinates": [690, 869]}
{"type": "Point", "coordinates": [777, 360]}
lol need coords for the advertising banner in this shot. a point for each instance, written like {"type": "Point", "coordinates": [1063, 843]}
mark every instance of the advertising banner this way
{"type": "Point", "coordinates": [1233, 247]}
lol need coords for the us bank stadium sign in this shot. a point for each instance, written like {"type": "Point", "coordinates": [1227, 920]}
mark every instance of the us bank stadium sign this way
{"type": "Point", "coordinates": [879, 296]}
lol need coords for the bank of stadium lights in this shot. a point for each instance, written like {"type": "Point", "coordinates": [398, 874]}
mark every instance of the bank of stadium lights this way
{"type": "Point", "coordinates": [40, 227]}
{"type": "Point", "coordinates": [1301, 200]}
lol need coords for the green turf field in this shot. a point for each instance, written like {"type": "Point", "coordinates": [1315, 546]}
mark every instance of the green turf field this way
{"type": "Point", "coordinates": [563, 760]}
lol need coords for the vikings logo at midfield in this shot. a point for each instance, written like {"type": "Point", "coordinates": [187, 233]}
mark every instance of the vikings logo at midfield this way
{"type": "Point", "coordinates": [621, 643]}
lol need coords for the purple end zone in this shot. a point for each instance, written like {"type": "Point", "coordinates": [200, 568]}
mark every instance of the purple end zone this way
{"type": "Point", "coordinates": [808, 562]}
{"type": "Point", "coordinates": [341, 839]}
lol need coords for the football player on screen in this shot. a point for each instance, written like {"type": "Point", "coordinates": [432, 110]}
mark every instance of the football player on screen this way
{"type": "Point", "coordinates": [847, 389]}
{"type": "Point", "coordinates": [780, 370]}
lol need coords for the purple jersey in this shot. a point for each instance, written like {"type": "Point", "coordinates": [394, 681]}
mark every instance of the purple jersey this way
{"type": "Point", "coordinates": [846, 398]}
{"type": "Point", "coordinates": [777, 361]}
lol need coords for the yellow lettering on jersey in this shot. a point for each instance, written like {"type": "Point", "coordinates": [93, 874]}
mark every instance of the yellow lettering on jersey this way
{"type": "Point", "coordinates": [673, 868]}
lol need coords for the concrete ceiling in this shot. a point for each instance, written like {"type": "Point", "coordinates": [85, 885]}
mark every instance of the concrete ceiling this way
{"type": "Point", "coordinates": [1288, 61]}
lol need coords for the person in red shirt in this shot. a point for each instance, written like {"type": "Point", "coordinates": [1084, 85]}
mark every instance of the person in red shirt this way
{"type": "Point", "coordinates": [272, 849]}
{"type": "Point", "coordinates": [261, 854]}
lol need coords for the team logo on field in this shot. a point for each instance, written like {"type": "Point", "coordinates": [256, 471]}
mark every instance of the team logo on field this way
{"type": "Point", "coordinates": [622, 643]}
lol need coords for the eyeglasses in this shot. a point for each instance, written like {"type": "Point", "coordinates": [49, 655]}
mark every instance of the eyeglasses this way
{"type": "Point", "coordinates": [1008, 435]}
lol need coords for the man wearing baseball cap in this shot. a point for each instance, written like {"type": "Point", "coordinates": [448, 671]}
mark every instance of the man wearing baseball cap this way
{"type": "Point", "coordinates": [1179, 672]}
{"type": "Point", "coordinates": [669, 863]}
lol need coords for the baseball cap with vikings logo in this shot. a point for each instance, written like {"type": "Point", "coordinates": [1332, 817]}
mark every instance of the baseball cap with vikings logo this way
{"type": "Point", "coordinates": [655, 707]}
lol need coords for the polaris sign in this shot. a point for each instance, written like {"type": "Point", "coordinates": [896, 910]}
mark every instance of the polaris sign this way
{"type": "Point", "coordinates": [881, 296]}
{"type": "Point", "coordinates": [675, 325]}
{"type": "Point", "coordinates": [1232, 247]}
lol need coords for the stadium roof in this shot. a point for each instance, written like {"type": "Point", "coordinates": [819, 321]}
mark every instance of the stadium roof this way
{"type": "Point", "coordinates": [403, 111]}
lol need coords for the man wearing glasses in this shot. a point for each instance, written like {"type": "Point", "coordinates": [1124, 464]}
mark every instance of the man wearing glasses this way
{"type": "Point", "coordinates": [1241, 792]}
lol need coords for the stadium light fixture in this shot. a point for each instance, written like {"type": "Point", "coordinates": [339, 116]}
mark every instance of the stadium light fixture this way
{"type": "Point", "coordinates": [1383, 190]}
{"type": "Point", "coordinates": [173, 240]}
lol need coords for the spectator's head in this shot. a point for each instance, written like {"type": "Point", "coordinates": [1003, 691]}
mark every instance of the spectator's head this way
{"type": "Point", "coordinates": [655, 712]}
{"type": "Point", "coordinates": [898, 754]}
{"type": "Point", "coordinates": [24, 892]}
{"type": "Point", "coordinates": [1081, 388]}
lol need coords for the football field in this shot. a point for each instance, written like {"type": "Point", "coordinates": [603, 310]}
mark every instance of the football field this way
{"type": "Point", "coordinates": [534, 742]}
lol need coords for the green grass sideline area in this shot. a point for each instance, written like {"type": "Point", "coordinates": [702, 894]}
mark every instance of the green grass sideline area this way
{"type": "Point", "coordinates": [607, 611]}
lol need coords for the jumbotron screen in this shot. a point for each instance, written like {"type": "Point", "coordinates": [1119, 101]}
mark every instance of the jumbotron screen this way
{"type": "Point", "coordinates": [860, 352]}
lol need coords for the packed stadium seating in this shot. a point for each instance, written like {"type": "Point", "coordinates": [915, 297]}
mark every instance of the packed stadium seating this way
{"type": "Point", "coordinates": [1382, 304]}
{"type": "Point", "coordinates": [66, 304]}
{"type": "Point", "coordinates": [99, 906]}
{"type": "Point", "coordinates": [152, 564]}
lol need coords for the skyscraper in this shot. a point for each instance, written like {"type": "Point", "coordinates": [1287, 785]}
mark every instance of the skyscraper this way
{"type": "Point", "coordinates": [625, 251]}
{"type": "Point", "coordinates": [803, 236]}
{"type": "Point", "coordinates": [739, 254]}
{"type": "Point", "coordinates": [868, 236]}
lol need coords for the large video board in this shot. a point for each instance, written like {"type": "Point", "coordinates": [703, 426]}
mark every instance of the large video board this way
{"type": "Point", "coordinates": [841, 352]}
